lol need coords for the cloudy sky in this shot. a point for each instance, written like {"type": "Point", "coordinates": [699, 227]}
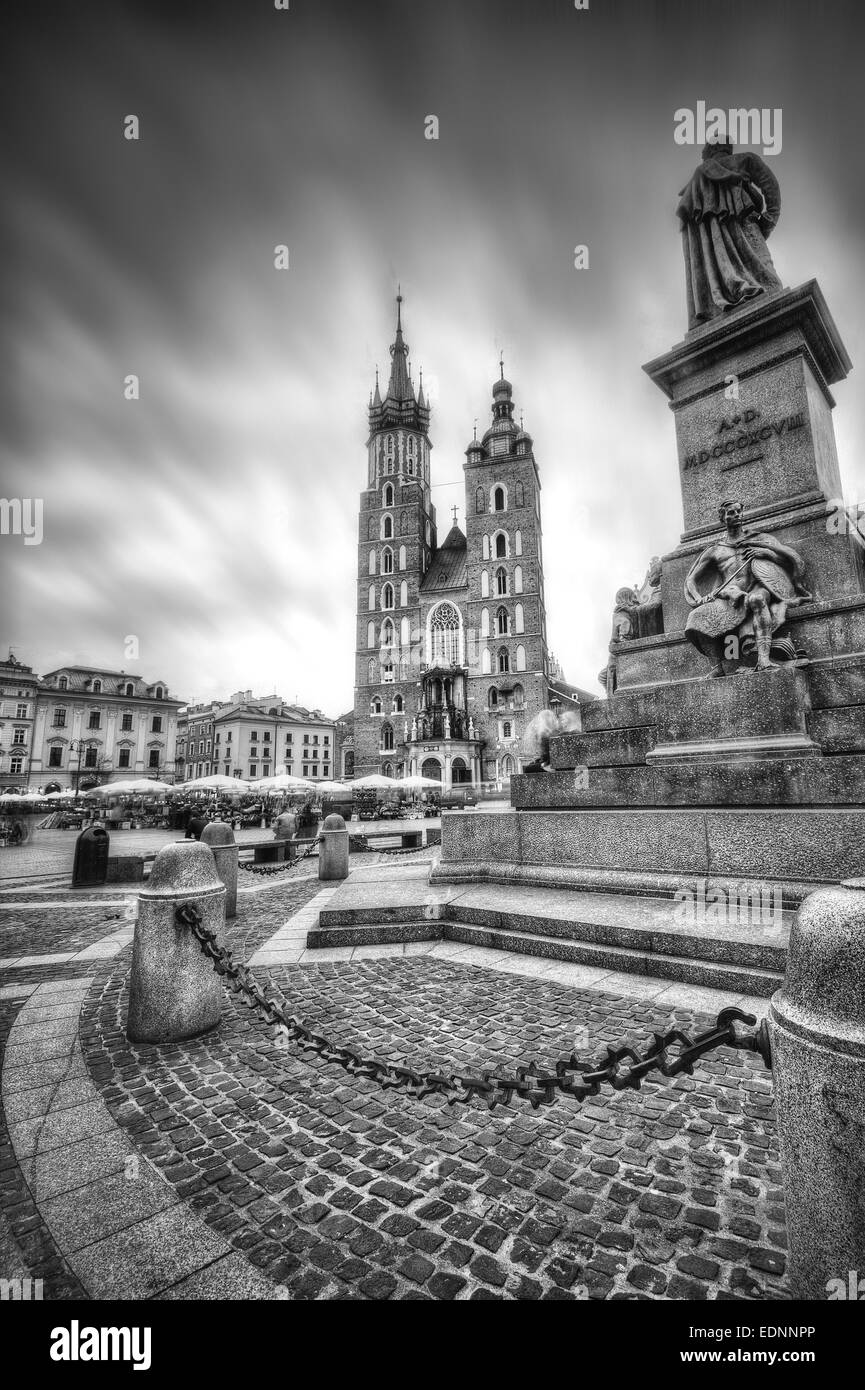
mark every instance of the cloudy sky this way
{"type": "Point", "coordinates": [215, 518]}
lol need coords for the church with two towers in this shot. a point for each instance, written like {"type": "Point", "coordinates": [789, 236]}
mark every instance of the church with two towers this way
{"type": "Point", "coordinates": [452, 660]}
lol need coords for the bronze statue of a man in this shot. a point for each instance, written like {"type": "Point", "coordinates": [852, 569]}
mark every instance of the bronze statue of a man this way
{"type": "Point", "coordinates": [727, 210]}
{"type": "Point", "coordinates": [760, 579]}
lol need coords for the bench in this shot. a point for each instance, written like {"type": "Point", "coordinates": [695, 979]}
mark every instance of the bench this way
{"type": "Point", "coordinates": [409, 839]}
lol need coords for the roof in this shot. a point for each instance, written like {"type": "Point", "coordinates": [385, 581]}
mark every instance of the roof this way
{"type": "Point", "coordinates": [447, 566]}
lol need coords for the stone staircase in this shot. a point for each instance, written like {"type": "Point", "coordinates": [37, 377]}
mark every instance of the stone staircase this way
{"type": "Point", "coordinates": [618, 932]}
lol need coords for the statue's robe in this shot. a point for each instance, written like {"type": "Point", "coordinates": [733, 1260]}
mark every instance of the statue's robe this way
{"type": "Point", "coordinates": [727, 210]}
{"type": "Point", "coordinates": [723, 615]}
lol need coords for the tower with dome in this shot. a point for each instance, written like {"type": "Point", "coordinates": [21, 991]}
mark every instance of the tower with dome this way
{"type": "Point", "coordinates": [452, 660]}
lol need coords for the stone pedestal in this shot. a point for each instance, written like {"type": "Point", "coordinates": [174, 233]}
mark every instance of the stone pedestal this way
{"type": "Point", "coordinates": [174, 992]}
{"type": "Point", "coordinates": [220, 838]}
{"type": "Point", "coordinates": [333, 850]}
{"type": "Point", "coordinates": [817, 1027]}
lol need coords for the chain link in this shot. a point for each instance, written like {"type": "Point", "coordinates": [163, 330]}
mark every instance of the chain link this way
{"type": "Point", "coordinates": [254, 868]}
{"type": "Point", "coordinates": [623, 1068]}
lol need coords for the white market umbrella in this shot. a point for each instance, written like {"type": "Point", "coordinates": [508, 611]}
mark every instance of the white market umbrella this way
{"type": "Point", "coordinates": [284, 782]}
{"type": "Point", "coordinates": [140, 786]}
{"type": "Point", "coordinates": [376, 780]}
{"type": "Point", "coordinates": [216, 782]}
{"type": "Point", "coordinates": [418, 783]}
{"type": "Point", "coordinates": [333, 788]}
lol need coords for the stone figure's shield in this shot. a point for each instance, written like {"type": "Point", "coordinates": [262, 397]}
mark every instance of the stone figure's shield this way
{"type": "Point", "coordinates": [715, 619]}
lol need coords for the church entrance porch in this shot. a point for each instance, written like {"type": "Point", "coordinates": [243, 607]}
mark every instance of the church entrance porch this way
{"type": "Point", "coordinates": [453, 762]}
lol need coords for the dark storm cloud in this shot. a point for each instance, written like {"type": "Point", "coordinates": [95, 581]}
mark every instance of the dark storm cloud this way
{"type": "Point", "coordinates": [215, 518]}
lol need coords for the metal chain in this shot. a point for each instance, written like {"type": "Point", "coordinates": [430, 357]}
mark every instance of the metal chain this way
{"type": "Point", "coordinates": [623, 1068]}
{"type": "Point", "coordinates": [279, 868]}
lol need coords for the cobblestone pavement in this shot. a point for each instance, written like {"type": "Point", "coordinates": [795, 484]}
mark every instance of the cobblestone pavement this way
{"type": "Point", "coordinates": [324, 1186]}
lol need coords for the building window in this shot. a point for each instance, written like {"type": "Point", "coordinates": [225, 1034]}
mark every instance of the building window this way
{"type": "Point", "coordinates": [253, 769]}
{"type": "Point", "coordinates": [518, 579]}
{"type": "Point", "coordinates": [19, 736]}
{"type": "Point", "coordinates": [387, 560]}
{"type": "Point", "coordinates": [499, 502]}
{"type": "Point", "coordinates": [16, 764]}
{"type": "Point", "coordinates": [397, 707]}
{"type": "Point", "coordinates": [21, 712]}
{"type": "Point", "coordinates": [370, 635]}
{"type": "Point", "coordinates": [306, 738]}
{"type": "Point", "coordinates": [228, 736]}
{"type": "Point", "coordinates": [387, 500]}
{"type": "Point", "coordinates": [370, 668]}
{"type": "Point", "coordinates": [129, 688]}
{"type": "Point", "coordinates": [93, 722]}
{"type": "Point", "coordinates": [445, 636]}
{"type": "Point", "coordinates": [485, 545]}
{"type": "Point", "coordinates": [387, 738]}
{"type": "Point", "coordinates": [326, 738]}
{"type": "Point", "coordinates": [55, 757]}
{"type": "Point", "coordinates": [506, 729]}
{"type": "Point", "coordinates": [90, 756]}
{"type": "Point", "coordinates": [126, 723]}
{"type": "Point", "coordinates": [388, 636]}
{"type": "Point", "coordinates": [387, 674]}
{"type": "Point", "coordinates": [521, 658]}
{"type": "Point", "coordinates": [501, 580]}
{"type": "Point", "coordinates": [504, 660]}
{"type": "Point", "coordinates": [493, 697]}
{"type": "Point", "coordinates": [502, 622]}
{"type": "Point", "coordinates": [159, 693]}
{"type": "Point", "coordinates": [372, 598]}
{"type": "Point", "coordinates": [375, 705]}
{"type": "Point", "coordinates": [60, 718]}
{"type": "Point", "coordinates": [156, 725]}
{"type": "Point", "coordinates": [97, 687]}
{"type": "Point", "coordinates": [519, 697]}
{"type": "Point", "coordinates": [485, 661]}
{"type": "Point", "coordinates": [372, 561]}
{"type": "Point", "coordinates": [520, 618]}
{"type": "Point", "coordinates": [370, 529]}
{"type": "Point", "coordinates": [123, 757]}
{"type": "Point", "coordinates": [501, 546]}
{"type": "Point", "coordinates": [403, 595]}
{"type": "Point", "coordinates": [518, 543]}
{"type": "Point", "coordinates": [387, 527]}
{"type": "Point", "coordinates": [485, 584]}
{"type": "Point", "coordinates": [387, 596]}
{"type": "Point", "coordinates": [62, 683]}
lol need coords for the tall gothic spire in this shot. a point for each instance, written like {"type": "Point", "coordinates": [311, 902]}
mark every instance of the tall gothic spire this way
{"type": "Point", "coordinates": [399, 387]}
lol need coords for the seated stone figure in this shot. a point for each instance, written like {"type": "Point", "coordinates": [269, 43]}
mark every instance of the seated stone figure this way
{"type": "Point", "coordinates": [744, 614]}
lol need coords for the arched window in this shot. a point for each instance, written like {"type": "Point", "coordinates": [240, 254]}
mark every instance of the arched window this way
{"type": "Point", "coordinates": [403, 595]}
{"type": "Point", "coordinates": [387, 673]}
{"type": "Point", "coordinates": [519, 495]}
{"type": "Point", "coordinates": [486, 547]}
{"type": "Point", "coordinates": [372, 598]}
{"type": "Point", "coordinates": [375, 705]}
{"type": "Point", "coordinates": [387, 560]}
{"type": "Point", "coordinates": [501, 546]}
{"type": "Point", "coordinates": [444, 636]}
{"type": "Point", "coordinates": [97, 687]}
{"type": "Point", "coordinates": [402, 557]}
{"type": "Point", "coordinates": [387, 527]}
{"type": "Point", "coordinates": [129, 688]}
{"type": "Point", "coordinates": [493, 697]}
{"type": "Point", "coordinates": [428, 534]}
{"type": "Point", "coordinates": [387, 737]}
{"type": "Point", "coordinates": [387, 633]}
{"type": "Point", "coordinates": [518, 579]}
{"type": "Point", "coordinates": [411, 451]}
{"type": "Point", "coordinates": [398, 705]}
{"type": "Point", "coordinates": [370, 670]}
{"type": "Point", "coordinates": [519, 697]}
{"type": "Point", "coordinates": [387, 596]}
{"type": "Point", "coordinates": [403, 668]}
{"type": "Point", "coordinates": [387, 496]}
{"type": "Point", "coordinates": [370, 529]}
{"type": "Point", "coordinates": [501, 580]}
{"type": "Point", "coordinates": [485, 622]}
{"type": "Point", "coordinates": [502, 622]}
{"type": "Point", "coordinates": [518, 543]}
{"type": "Point", "coordinates": [507, 729]}
{"type": "Point", "coordinates": [485, 584]}
{"type": "Point", "coordinates": [387, 769]}
{"type": "Point", "coordinates": [499, 500]}
{"type": "Point", "coordinates": [519, 618]}
{"type": "Point", "coordinates": [370, 634]}
{"type": "Point", "coordinates": [372, 562]}
{"type": "Point", "coordinates": [404, 632]}
{"type": "Point", "coordinates": [389, 453]}
{"type": "Point", "coordinates": [485, 661]}
{"type": "Point", "coordinates": [62, 683]}
{"type": "Point", "coordinates": [480, 500]}
{"type": "Point", "coordinates": [521, 658]}
{"type": "Point", "coordinates": [504, 661]}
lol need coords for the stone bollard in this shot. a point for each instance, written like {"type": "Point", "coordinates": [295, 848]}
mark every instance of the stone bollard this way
{"type": "Point", "coordinates": [817, 1028]}
{"type": "Point", "coordinates": [174, 991]}
{"type": "Point", "coordinates": [220, 838]}
{"type": "Point", "coordinates": [333, 850]}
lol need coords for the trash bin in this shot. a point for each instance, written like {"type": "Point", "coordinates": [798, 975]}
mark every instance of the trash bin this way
{"type": "Point", "coordinates": [90, 865]}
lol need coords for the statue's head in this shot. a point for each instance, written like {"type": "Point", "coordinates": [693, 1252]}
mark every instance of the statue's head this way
{"type": "Point", "coordinates": [627, 598]}
{"type": "Point", "coordinates": [716, 147]}
{"type": "Point", "coordinates": [730, 511]}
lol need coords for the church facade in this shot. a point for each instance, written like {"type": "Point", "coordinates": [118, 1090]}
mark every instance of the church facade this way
{"type": "Point", "coordinates": [452, 660]}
